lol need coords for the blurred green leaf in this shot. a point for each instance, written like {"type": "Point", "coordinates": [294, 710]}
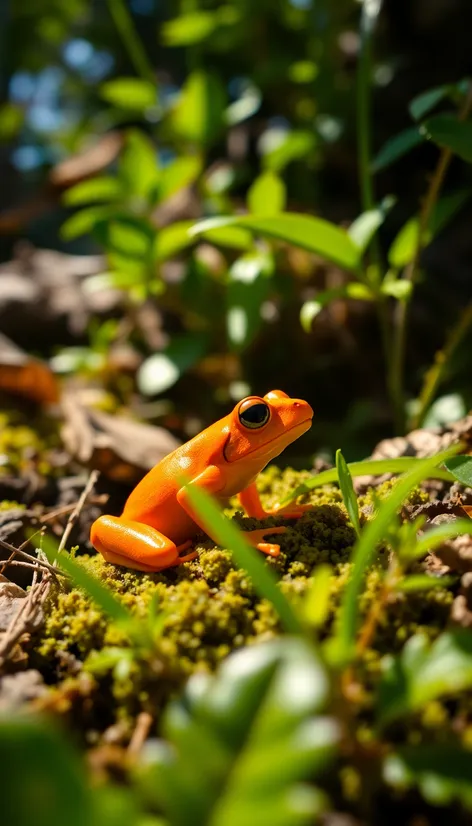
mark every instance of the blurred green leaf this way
{"type": "Point", "coordinates": [42, 780]}
{"type": "Point", "coordinates": [461, 469]}
{"type": "Point", "coordinates": [248, 286]}
{"type": "Point", "coordinates": [129, 93]}
{"type": "Point", "coordinates": [434, 537]}
{"type": "Point", "coordinates": [441, 771]}
{"type": "Point", "coordinates": [245, 106]}
{"type": "Point", "coordinates": [171, 240]}
{"type": "Point", "coordinates": [293, 146]}
{"type": "Point", "coordinates": [396, 147]}
{"type": "Point", "coordinates": [449, 132]}
{"type": "Point", "coordinates": [313, 234]}
{"type": "Point", "coordinates": [248, 558]}
{"type": "Point", "coordinates": [315, 606]}
{"type": "Point", "coordinates": [373, 533]}
{"type": "Point", "coordinates": [84, 221]}
{"type": "Point", "coordinates": [139, 167]}
{"type": "Point", "coordinates": [190, 28]}
{"type": "Point", "coordinates": [423, 103]}
{"type": "Point", "coordinates": [267, 194]}
{"type": "Point", "coordinates": [198, 114]}
{"type": "Point", "coordinates": [399, 288]}
{"type": "Point", "coordinates": [243, 742]}
{"type": "Point", "coordinates": [182, 172]}
{"type": "Point", "coordinates": [11, 120]}
{"type": "Point", "coordinates": [422, 673]}
{"type": "Point", "coordinates": [374, 467]}
{"type": "Point", "coordinates": [423, 582]}
{"type": "Point", "coordinates": [313, 307]}
{"type": "Point", "coordinates": [127, 237]}
{"type": "Point", "coordinates": [102, 188]}
{"type": "Point", "coordinates": [363, 229]}
{"type": "Point", "coordinates": [403, 248]}
{"type": "Point", "coordinates": [347, 490]}
{"type": "Point", "coordinates": [161, 370]}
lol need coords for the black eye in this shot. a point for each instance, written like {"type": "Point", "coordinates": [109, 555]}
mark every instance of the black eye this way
{"type": "Point", "coordinates": [254, 414]}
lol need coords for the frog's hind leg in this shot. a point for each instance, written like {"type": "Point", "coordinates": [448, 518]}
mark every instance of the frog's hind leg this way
{"type": "Point", "coordinates": [136, 545]}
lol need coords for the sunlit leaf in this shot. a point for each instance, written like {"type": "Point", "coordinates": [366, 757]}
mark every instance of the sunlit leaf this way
{"type": "Point", "coordinates": [396, 147]}
{"type": "Point", "coordinates": [139, 167]}
{"type": "Point", "coordinates": [456, 135]}
{"type": "Point", "coordinates": [103, 188]}
{"type": "Point", "coordinates": [198, 114]}
{"type": "Point", "coordinates": [424, 672]}
{"type": "Point", "coordinates": [435, 536]}
{"type": "Point", "coordinates": [129, 93]}
{"type": "Point", "coordinates": [316, 603]}
{"type": "Point", "coordinates": [11, 120]}
{"type": "Point", "coordinates": [313, 234]}
{"type": "Point", "coordinates": [461, 469]}
{"type": "Point", "coordinates": [84, 221]}
{"type": "Point", "coordinates": [267, 195]}
{"type": "Point", "coordinates": [172, 240]}
{"type": "Point", "coordinates": [293, 146]}
{"type": "Point", "coordinates": [313, 307]}
{"type": "Point", "coordinates": [347, 490]}
{"type": "Point", "coordinates": [248, 286]}
{"type": "Point", "coordinates": [161, 370]}
{"type": "Point", "coordinates": [423, 582]}
{"type": "Point", "coordinates": [180, 173]}
{"type": "Point", "coordinates": [190, 28]}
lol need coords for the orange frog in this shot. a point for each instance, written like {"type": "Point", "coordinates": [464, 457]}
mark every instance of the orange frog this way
{"type": "Point", "coordinates": [159, 522]}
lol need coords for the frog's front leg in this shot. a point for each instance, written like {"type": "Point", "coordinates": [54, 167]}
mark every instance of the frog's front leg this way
{"type": "Point", "coordinates": [136, 545]}
{"type": "Point", "coordinates": [250, 501]}
{"type": "Point", "coordinates": [212, 481]}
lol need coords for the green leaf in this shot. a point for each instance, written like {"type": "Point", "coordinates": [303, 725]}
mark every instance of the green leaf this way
{"type": "Point", "coordinates": [363, 229]}
{"type": "Point", "coordinates": [347, 490]}
{"type": "Point", "coordinates": [368, 467]}
{"type": "Point", "coordinates": [129, 93]}
{"type": "Point", "coordinates": [12, 118]}
{"type": "Point", "coordinates": [434, 537]}
{"type": "Point", "coordinates": [423, 103]}
{"type": "Point", "coordinates": [313, 234]}
{"type": "Point", "coordinates": [310, 309]}
{"type": "Point", "coordinates": [403, 248]}
{"type": "Point", "coordinates": [315, 606]}
{"type": "Point", "coordinates": [177, 175]}
{"type": "Point", "coordinates": [461, 469]}
{"type": "Point", "coordinates": [85, 221]}
{"type": "Point", "coordinates": [198, 115]}
{"type": "Point", "coordinates": [245, 107]}
{"type": "Point", "coordinates": [103, 188]}
{"type": "Point", "coordinates": [248, 287]}
{"type": "Point", "coordinates": [396, 147]}
{"type": "Point", "coordinates": [422, 673]}
{"type": "Point", "coordinates": [127, 237]}
{"type": "Point", "coordinates": [243, 742]}
{"type": "Point", "coordinates": [189, 29]}
{"type": "Point", "coordinates": [171, 240]}
{"type": "Point", "coordinates": [267, 195]}
{"type": "Point", "coordinates": [441, 771]}
{"type": "Point", "coordinates": [293, 146]}
{"type": "Point", "coordinates": [424, 582]}
{"type": "Point", "coordinates": [364, 550]}
{"type": "Point", "coordinates": [399, 288]}
{"type": "Point", "coordinates": [248, 558]}
{"type": "Point", "coordinates": [42, 779]}
{"type": "Point", "coordinates": [139, 168]}
{"type": "Point", "coordinates": [449, 132]}
{"type": "Point", "coordinates": [161, 370]}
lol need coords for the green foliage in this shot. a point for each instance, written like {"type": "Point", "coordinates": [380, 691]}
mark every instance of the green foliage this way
{"type": "Point", "coordinates": [461, 469]}
{"type": "Point", "coordinates": [242, 744]}
{"type": "Point", "coordinates": [451, 133]}
{"type": "Point", "coordinates": [423, 673]}
{"type": "Point", "coordinates": [441, 772]}
{"type": "Point", "coordinates": [160, 371]}
{"type": "Point", "coordinates": [129, 93]}
{"type": "Point", "coordinates": [347, 490]}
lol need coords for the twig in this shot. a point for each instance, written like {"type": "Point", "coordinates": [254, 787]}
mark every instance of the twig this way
{"type": "Point", "coordinates": [140, 733]}
{"type": "Point", "coordinates": [29, 557]}
{"type": "Point", "coordinates": [78, 508]}
{"type": "Point", "coordinates": [26, 616]}
{"type": "Point", "coordinates": [48, 517]}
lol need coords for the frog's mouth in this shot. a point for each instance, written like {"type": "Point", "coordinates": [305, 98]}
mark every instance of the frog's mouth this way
{"type": "Point", "coordinates": [274, 447]}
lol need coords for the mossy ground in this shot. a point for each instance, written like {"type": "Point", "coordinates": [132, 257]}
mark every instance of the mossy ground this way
{"type": "Point", "coordinates": [207, 608]}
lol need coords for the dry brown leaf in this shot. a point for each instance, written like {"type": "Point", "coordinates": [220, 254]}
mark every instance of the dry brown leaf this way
{"type": "Point", "coordinates": [120, 448]}
{"type": "Point", "coordinates": [26, 376]}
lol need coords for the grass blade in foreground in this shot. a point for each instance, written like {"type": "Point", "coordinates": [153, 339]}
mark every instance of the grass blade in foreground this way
{"type": "Point", "coordinates": [347, 490]}
{"type": "Point", "coordinates": [366, 468]}
{"type": "Point", "coordinates": [248, 558]}
{"type": "Point", "coordinates": [375, 530]}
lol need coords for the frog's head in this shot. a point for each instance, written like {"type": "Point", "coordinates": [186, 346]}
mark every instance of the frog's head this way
{"type": "Point", "coordinates": [262, 427]}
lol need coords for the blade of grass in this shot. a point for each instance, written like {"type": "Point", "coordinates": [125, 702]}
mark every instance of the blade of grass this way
{"type": "Point", "coordinates": [373, 533]}
{"type": "Point", "coordinates": [347, 490]}
{"type": "Point", "coordinates": [368, 467]}
{"type": "Point", "coordinates": [434, 537]}
{"type": "Point", "coordinates": [246, 557]}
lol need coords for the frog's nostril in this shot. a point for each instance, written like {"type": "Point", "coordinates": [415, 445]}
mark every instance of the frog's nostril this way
{"type": "Point", "coordinates": [296, 404]}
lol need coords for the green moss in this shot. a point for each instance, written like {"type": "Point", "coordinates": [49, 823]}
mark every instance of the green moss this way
{"type": "Point", "coordinates": [23, 443]}
{"type": "Point", "coordinates": [209, 608]}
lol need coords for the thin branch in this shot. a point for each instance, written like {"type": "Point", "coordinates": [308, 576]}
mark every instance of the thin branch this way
{"type": "Point", "coordinates": [78, 508]}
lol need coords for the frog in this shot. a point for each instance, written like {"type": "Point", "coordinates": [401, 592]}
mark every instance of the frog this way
{"type": "Point", "coordinates": [159, 522]}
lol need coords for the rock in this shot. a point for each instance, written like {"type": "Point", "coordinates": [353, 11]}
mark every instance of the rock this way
{"type": "Point", "coordinates": [20, 688]}
{"type": "Point", "coordinates": [11, 600]}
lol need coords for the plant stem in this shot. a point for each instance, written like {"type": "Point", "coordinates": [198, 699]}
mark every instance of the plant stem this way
{"type": "Point", "coordinates": [435, 374]}
{"type": "Point", "coordinates": [124, 24]}
{"type": "Point", "coordinates": [396, 379]}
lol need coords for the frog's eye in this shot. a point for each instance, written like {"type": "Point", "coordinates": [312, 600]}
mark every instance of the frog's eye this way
{"type": "Point", "coordinates": [254, 413]}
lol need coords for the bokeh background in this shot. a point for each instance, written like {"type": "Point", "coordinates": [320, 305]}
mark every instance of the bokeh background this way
{"type": "Point", "coordinates": [226, 90]}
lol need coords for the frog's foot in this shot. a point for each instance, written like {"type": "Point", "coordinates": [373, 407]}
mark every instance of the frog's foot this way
{"type": "Point", "coordinates": [136, 545]}
{"type": "Point", "coordinates": [255, 538]}
{"type": "Point", "coordinates": [291, 511]}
